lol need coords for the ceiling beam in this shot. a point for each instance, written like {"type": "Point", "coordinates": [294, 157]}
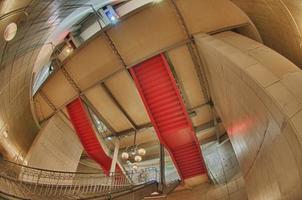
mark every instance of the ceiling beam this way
{"type": "Point", "coordinates": [98, 114]}
{"type": "Point", "coordinates": [205, 126]}
{"type": "Point", "coordinates": [132, 131]}
{"type": "Point", "coordinates": [143, 145]}
{"type": "Point", "coordinates": [208, 103]}
{"type": "Point", "coordinates": [120, 107]}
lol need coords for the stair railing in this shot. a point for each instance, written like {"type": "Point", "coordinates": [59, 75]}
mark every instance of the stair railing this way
{"type": "Point", "coordinates": [33, 183]}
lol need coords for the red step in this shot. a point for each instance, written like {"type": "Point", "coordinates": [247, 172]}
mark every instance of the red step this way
{"type": "Point", "coordinates": [167, 112]}
{"type": "Point", "coordinates": [84, 129]}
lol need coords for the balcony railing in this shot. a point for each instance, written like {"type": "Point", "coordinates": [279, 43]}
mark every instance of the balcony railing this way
{"type": "Point", "coordinates": [23, 182]}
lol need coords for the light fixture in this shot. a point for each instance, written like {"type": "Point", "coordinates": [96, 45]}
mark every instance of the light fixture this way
{"type": "Point", "coordinates": [51, 68]}
{"type": "Point", "coordinates": [132, 153]}
{"type": "Point", "coordinates": [69, 49]}
{"type": "Point", "coordinates": [125, 156]}
{"type": "Point", "coordinates": [134, 166]}
{"type": "Point", "coordinates": [141, 152]}
{"type": "Point", "coordinates": [10, 31]}
{"type": "Point", "coordinates": [111, 15]}
{"type": "Point", "coordinates": [138, 158]}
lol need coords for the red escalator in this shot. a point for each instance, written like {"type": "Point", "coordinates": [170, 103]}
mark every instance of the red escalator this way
{"type": "Point", "coordinates": [82, 125]}
{"type": "Point", "coordinates": [168, 115]}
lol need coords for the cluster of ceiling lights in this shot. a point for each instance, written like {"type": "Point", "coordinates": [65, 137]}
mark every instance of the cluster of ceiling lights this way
{"type": "Point", "coordinates": [134, 154]}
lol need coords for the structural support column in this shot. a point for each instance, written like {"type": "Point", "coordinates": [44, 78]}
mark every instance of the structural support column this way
{"type": "Point", "coordinates": [162, 166]}
{"type": "Point", "coordinates": [115, 156]}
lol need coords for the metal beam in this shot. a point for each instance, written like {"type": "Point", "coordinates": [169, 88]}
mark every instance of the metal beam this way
{"type": "Point", "coordinates": [199, 70]}
{"type": "Point", "coordinates": [96, 112]}
{"type": "Point", "coordinates": [200, 106]}
{"type": "Point", "coordinates": [178, 82]}
{"type": "Point", "coordinates": [115, 157]}
{"type": "Point", "coordinates": [162, 167]}
{"type": "Point", "coordinates": [198, 129]}
{"type": "Point", "coordinates": [205, 126]}
{"type": "Point", "coordinates": [145, 145]}
{"type": "Point", "coordinates": [192, 49]}
{"type": "Point", "coordinates": [154, 155]}
{"type": "Point", "coordinates": [47, 100]}
{"type": "Point", "coordinates": [215, 123]}
{"type": "Point", "coordinates": [149, 125]}
{"type": "Point", "coordinates": [130, 132]}
{"type": "Point", "coordinates": [212, 139]}
{"type": "Point", "coordinates": [115, 101]}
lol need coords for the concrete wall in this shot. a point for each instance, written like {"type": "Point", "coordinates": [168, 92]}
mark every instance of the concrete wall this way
{"type": "Point", "coordinates": [56, 147]}
{"type": "Point", "coordinates": [257, 94]}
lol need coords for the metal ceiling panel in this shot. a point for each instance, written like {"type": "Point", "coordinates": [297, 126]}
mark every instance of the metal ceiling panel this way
{"type": "Point", "coordinates": [146, 32]}
{"type": "Point", "coordinates": [124, 90]}
{"type": "Point", "coordinates": [185, 69]}
{"type": "Point", "coordinates": [109, 111]}
{"type": "Point", "coordinates": [59, 90]}
{"type": "Point", "coordinates": [92, 63]}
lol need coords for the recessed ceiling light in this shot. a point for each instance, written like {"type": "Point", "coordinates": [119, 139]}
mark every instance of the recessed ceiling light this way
{"type": "Point", "coordinates": [69, 49]}
{"type": "Point", "coordinates": [10, 31]}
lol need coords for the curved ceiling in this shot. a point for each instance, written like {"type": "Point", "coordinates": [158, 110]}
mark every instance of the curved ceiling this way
{"type": "Point", "coordinates": [279, 23]}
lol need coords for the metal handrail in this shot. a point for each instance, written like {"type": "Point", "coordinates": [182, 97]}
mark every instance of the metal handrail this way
{"type": "Point", "coordinates": [170, 187]}
{"type": "Point", "coordinates": [29, 182]}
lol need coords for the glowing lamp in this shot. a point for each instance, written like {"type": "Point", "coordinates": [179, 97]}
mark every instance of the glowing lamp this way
{"type": "Point", "coordinates": [138, 158]}
{"type": "Point", "coordinates": [141, 152]}
{"type": "Point", "coordinates": [134, 166]}
{"type": "Point", "coordinates": [125, 155]}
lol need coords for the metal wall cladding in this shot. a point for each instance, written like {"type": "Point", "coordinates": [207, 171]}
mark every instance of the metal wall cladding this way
{"type": "Point", "coordinates": [281, 17]}
{"type": "Point", "coordinates": [17, 61]}
{"type": "Point", "coordinates": [255, 91]}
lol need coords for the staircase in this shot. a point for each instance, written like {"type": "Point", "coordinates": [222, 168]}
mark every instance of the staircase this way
{"type": "Point", "coordinates": [82, 125]}
{"type": "Point", "coordinates": [168, 115]}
